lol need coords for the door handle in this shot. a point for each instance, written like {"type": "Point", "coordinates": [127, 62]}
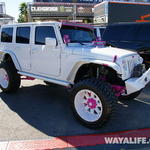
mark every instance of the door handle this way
{"type": "Point", "coordinates": [35, 49]}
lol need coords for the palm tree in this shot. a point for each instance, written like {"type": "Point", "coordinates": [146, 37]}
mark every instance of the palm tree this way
{"type": "Point", "coordinates": [21, 19]}
{"type": "Point", "coordinates": [23, 12]}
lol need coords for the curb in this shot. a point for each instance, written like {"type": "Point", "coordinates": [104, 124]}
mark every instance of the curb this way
{"type": "Point", "coordinates": [72, 141]}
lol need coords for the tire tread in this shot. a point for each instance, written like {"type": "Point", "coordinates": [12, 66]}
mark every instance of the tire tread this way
{"type": "Point", "coordinates": [14, 78]}
{"type": "Point", "coordinates": [106, 91]}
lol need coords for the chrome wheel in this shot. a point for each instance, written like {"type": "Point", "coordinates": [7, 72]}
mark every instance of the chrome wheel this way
{"type": "Point", "coordinates": [4, 80]}
{"type": "Point", "coordinates": [88, 105]}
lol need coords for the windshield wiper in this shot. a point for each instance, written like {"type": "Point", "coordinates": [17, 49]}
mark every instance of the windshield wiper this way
{"type": "Point", "coordinates": [81, 43]}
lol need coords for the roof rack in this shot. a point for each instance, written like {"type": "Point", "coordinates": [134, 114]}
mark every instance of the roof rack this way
{"type": "Point", "coordinates": [129, 22]}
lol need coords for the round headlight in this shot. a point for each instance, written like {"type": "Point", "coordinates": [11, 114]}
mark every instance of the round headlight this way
{"type": "Point", "coordinates": [124, 64]}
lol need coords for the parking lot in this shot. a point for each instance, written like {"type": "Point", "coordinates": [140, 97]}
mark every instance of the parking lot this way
{"type": "Point", "coordinates": [39, 111]}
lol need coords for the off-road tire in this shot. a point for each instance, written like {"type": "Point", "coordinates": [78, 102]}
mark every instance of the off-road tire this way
{"type": "Point", "coordinates": [8, 72]}
{"type": "Point", "coordinates": [103, 92]}
{"type": "Point", "coordinates": [131, 96]}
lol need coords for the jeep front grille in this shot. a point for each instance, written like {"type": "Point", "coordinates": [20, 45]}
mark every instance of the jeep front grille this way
{"type": "Point", "coordinates": [130, 64]}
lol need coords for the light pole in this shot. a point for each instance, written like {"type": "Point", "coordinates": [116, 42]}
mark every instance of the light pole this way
{"type": "Point", "coordinates": [74, 11]}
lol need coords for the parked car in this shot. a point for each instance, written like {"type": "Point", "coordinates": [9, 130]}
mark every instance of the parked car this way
{"type": "Point", "coordinates": [68, 54]}
{"type": "Point", "coordinates": [132, 36]}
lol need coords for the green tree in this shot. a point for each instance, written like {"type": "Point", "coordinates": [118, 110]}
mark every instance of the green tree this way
{"type": "Point", "coordinates": [23, 17]}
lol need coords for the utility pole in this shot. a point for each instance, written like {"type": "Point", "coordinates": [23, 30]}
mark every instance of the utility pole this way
{"type": "Point", "coordinates": [74, 11]}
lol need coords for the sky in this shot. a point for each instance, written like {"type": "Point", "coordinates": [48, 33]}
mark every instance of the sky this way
{"type": "Point", "coordinates": [12, 7]}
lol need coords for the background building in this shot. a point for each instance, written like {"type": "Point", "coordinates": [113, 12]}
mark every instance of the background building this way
{"type": "Point", "coordinates": [57, 10]}
{"type": "Point", "coordinates": [70, 1]}
{"type": "Point", "coordinates": [79, 10]}
{"type": "Point", "coordinates": [4, 18]}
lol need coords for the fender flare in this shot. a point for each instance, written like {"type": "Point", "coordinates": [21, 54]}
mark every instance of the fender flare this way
{"type": "Point", "coordinates": [78, 64]}
{"type": "Point", "coordinates": [12, 55]}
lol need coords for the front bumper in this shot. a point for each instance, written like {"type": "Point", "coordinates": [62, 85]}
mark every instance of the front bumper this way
{"type": "Point", "coordinates": [136, 84]}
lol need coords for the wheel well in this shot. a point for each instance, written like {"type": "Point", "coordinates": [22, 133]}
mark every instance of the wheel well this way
{"type": "Point", "coordinates": [11, 58]}
{"type": "Point", "coordinates": [96, 71]}
{"type": "Point", "coordinates": [85, 71]}
{"type": "Point", "coordinates": [7, 57]}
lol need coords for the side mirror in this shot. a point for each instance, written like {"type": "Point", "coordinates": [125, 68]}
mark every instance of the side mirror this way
{"type": "Point", "coordinates": [50, 42]}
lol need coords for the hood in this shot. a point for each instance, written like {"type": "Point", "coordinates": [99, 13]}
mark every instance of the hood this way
{"type": "Point", "coordinates": [103, 53]}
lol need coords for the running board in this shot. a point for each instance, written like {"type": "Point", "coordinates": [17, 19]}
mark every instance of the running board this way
{"type": "Point", "coordinates": [63, 83]}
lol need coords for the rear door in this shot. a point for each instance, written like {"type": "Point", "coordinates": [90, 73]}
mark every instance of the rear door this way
{"type": "Point", "coordinates": [22, 46]}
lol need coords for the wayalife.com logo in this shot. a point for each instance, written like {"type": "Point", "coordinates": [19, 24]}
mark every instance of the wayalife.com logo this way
{"type": "Point", "coordinates": [126, 140]}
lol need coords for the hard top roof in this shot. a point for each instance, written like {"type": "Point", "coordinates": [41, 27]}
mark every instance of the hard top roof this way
{"type": "Point", "coordinates": [64, 23]}
{"type": "Point", "coordinates": [32, 23]}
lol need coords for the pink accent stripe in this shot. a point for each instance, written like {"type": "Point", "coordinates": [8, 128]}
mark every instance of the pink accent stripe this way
{"type": "Point", "coordinates": [66, 36]}
{"type": "Point", "coordinates": [67, 40]}
{"type": "Point", "coordinates": [105, 64]}
{"type": "Point", "coordinates": [72, 141]}
{"type": "Point", "coordinates": [82, 25]}
{"type": "Point", "coordinates": [6, 77]}
{"type": "Point", "coordinates": [99, 42]}
{"type": "Point", "coordinates": [118, 89]}
{"type": "Point", "coordinates": [102, 78]}
{"type": "Point", "coordinates": [115, 58]}
{"type": "Point", "coordinates": [27, 78]}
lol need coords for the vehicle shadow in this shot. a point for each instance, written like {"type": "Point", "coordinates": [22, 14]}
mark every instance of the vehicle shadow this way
{"type": "Point", "coordinates": [47, 110]}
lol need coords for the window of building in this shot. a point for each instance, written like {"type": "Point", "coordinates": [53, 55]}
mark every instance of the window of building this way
{"type": "Point", "coordinates": [42, 32]}
{"type": "Point", "coordinates": [6, 35]}
{"type": "Point", "coordinates": [23, 35]}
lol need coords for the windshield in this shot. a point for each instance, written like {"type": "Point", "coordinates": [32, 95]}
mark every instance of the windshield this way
{"type": "Point", "coordinates": [77, 34]}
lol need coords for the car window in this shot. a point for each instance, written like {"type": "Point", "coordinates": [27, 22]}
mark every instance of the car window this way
{"type": "Point", "coordinates": [95, 32]}
{"type": "Point", "coordinates": [77, 34]}
{"type": "Point", "coordinates": [6, 35]}
{"type": "Point", "coordinates": [130, 36]}
{"type": "Point", "coordinates": [116, 32]}
{"type": "Point", "coordinates": [23, 35]}
{"type": "Point", "coordinates": [41, 32]}
{"type": "Point", "coordinates": [101, 31]}
{"type": "Point", "coordinates": [144, 34]}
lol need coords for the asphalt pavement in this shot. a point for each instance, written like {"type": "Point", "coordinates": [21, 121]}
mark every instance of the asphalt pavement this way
{"type": "Point", "coordinates": [41, 112]}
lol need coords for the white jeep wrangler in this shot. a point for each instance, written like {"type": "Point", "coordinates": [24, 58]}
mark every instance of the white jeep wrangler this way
{"type": "Point", "coordinates": [68, 54]}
